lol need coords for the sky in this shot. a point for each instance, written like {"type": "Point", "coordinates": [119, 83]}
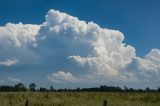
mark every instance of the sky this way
{"type": "Point", "coordinates": [80, 43]}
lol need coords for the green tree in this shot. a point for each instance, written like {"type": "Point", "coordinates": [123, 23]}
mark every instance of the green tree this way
{"type": "Point", "coordinates": [51, 88]}
{"type": "Point", "coordinates": [19, 87]}
{"type": "Point", "coordinates": [32, 87]}
{"type": "Point", "coordinates": [158, 89]}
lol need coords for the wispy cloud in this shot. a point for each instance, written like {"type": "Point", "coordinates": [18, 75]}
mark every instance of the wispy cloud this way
{"type": "Point", "coordinates": [9, 62]}
{"type": "Point", "coordinates": [1, 81]}
{"type": "Point", "coordinates": [11, 79]}
{"type": "Point", "coordinates": [61, 77]}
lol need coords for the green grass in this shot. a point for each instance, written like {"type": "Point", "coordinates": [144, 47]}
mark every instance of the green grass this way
{"type": "Point", "coordinates": [79, 99]}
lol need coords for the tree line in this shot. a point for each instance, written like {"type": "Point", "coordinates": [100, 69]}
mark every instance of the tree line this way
{"type": "Point", "coordinates": [102, 88]}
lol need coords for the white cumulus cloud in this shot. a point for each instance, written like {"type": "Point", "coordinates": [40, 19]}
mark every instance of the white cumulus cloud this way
{"type": "Point", "coordinates": [150, 65]}
{"type": "Point", "coordinates": [18, 35]}
{"type": "Point", "coordinates": [15, 41]}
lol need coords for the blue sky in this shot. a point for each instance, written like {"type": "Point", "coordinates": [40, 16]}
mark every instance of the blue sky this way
{"type": "Point", "coordinates": [139, 21]}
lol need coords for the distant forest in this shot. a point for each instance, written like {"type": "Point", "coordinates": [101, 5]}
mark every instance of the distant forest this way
{"type": "Point", "coordinates": [103, 88]}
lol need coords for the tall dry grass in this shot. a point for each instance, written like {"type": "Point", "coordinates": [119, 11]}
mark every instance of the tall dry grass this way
{"type": "Point", "coordinates": [79, 99]}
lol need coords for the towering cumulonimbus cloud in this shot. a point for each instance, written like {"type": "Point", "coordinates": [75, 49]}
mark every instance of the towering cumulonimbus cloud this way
{"type": "Point", "coordinates": [75, 45]}
{"type": "Point", "coordinates": [100, 50]}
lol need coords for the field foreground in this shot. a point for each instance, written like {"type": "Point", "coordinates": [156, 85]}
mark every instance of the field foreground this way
{"type": "Point", "coordinates": [79, 99]}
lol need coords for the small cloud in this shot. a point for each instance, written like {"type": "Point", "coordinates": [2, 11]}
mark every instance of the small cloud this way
{"type": "Point", "coordinates": [13, 79]}
{"type": "Point", "coordinates": [61, 77]}
{"type": "Point", "coordinates": [9, 62]}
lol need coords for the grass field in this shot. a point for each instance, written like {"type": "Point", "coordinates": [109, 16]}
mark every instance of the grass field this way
{"type": "Point", "coordinates": [79, 99]}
